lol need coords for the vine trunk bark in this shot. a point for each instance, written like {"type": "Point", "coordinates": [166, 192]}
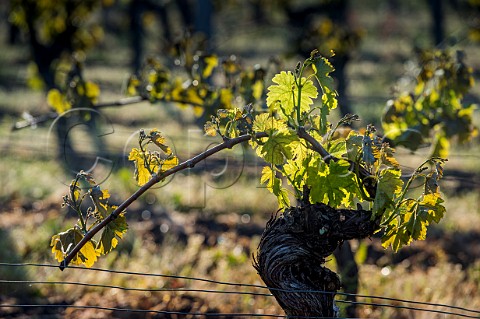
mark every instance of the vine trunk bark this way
{"type": "Point", "coordinates": [292, 251]}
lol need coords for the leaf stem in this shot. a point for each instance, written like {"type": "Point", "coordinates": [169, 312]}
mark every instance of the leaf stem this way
{"type": "Point", "coordinates": [77, 205]}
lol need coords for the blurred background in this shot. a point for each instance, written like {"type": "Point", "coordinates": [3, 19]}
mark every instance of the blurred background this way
{"type": "Point", "coordinates": [118, 66]}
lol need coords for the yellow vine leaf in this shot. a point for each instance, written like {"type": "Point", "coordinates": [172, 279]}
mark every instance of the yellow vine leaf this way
{"type": "Point", "coordinates": [257, 89]}
{"type": "Point", "coordinates": [145, 166]}
{"type": "Point", "coordinates": [112, 233]}
{"type": "Point", "coordinates": [58, 101]}
{"type": "Point", "coordinates": [92, 91]}
{"type": "Point", "coordinates": [274, 185]}
{"type": "Point", "coordinates": [210, 129]}
{"type": "Point", "coordinates": [211, 62]}
{"type": "Point", "coordinates": [169, 163]}
{"type": "Point", "coordinates": [65, 241]}
{"type": "Point", "coordinates": [114, 230]}
{"type": "Point", "coordinates": [159, 140]}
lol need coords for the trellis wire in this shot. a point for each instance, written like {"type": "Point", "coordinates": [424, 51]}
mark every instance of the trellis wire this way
{"type": "Point", "coordinates": [30, 282]}
{"type": "Point", "coordinates": [205, 314]}
{"type": "Point", "coordinates": [237, 292]}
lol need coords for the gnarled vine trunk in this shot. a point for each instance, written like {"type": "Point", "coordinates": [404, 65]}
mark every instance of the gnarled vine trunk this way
{"type": "Point", "coordinates": [292, 251]}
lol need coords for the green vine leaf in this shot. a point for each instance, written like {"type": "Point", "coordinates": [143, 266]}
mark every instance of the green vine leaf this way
{"type": "Point", "coordinates": [274, 185]}
{"type": "Point", "coordinates": [284, 94]}
{"type": "Point", "coordinates": [280, 143]}
{"type": "Point", "coordinates": [389, 186]}
{"type": "Point", "coordinates": [266, 123]}
{"type": "Point", "coordinates": [332, 184]}
{"type": "Point", "coordinates": [435, 111]}
{"type": "Point", "coordinates": [322, 68]}
{"type": "Point", "coordinates": [277, 148]}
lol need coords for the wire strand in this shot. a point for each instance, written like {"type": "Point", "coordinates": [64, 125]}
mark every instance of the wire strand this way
{"type": "Point", "coordinates": [206, 314]}
{"type": "Point", "coordinates": [251, 286]}
{"type": "Point", "coordinates": [76, 283]}
{"type": "Point", "coordinates": [31, 282]}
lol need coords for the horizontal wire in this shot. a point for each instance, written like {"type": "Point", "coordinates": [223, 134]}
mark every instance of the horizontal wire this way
{"type": "Point", "coordinates": [206, 314]}
{"type": "Point", "coordinates": [30, 282]}
{"type": "Point", "coordinates": [133, 273]}
{"type": "Point", "coordinates": [76, 283]}
{"type": "Point", "coordinates": [408, 308]}
{"type": "Point", "coordinates": [265, 287]}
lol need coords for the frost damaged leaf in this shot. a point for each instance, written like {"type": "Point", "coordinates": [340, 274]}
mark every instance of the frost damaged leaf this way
{"type": "Point", "coordinates": [112, 233]}
{"type": "Point", "coordinates": [157, 138]}
{"type": "Point", "coordinates": [64, 242]}
{"type": "Point", "coordinates": [169, 163]}
{"type": "Point", "coordinates": [210, 129]}
{"type": "Point", "coordinates": [114, 230]}
{"type": "Point", "coordinates": [145, 166]}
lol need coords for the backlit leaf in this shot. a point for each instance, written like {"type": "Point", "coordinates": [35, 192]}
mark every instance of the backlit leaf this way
{"type": "Point", "coordinates": [277, 148]}
{"type": "Point", "coordinates": [389, 185]}
{"type": "Point", "coordinates": [210, 129]}
{"type": "Point", "coordinates": [58, 101]}
{"type": "Point", "coordinates": [283, 95]}
{"type": "Point", "coordinates": [396, 238]}
{"type": "Point", "coordinates": [322, 68]}
{"type": "Point", "coordinates": [274, 185]}
{"type": "Point", "coordinates": [432, 205]}
{"type": "Point", "coordinates": [211, 62]}
{"type": "Point", "coordinates": [159, 140]}
{"type": "Point", "coordinates": [64, 242]}
{"type": "Point", "coordinates": [332, 184]}
{"type": "Point", "coordinates": [329, 99]}
{"type": "Point", "coordinates": [145, 166]}
{"type": "Point", "coordinates": [169, 163]}
{"type": "Point", "coordinates": [112, 233]}
{"type": "Point", "coordinates": [354, 144]}
{"type": "Point", "coordinates": [266, 123]}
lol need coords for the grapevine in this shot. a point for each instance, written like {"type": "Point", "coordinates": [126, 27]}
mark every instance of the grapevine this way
{"type": "Point", "coordinates": [434, 112]}
{"type": "Point", "coordinates": [308, 158]}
